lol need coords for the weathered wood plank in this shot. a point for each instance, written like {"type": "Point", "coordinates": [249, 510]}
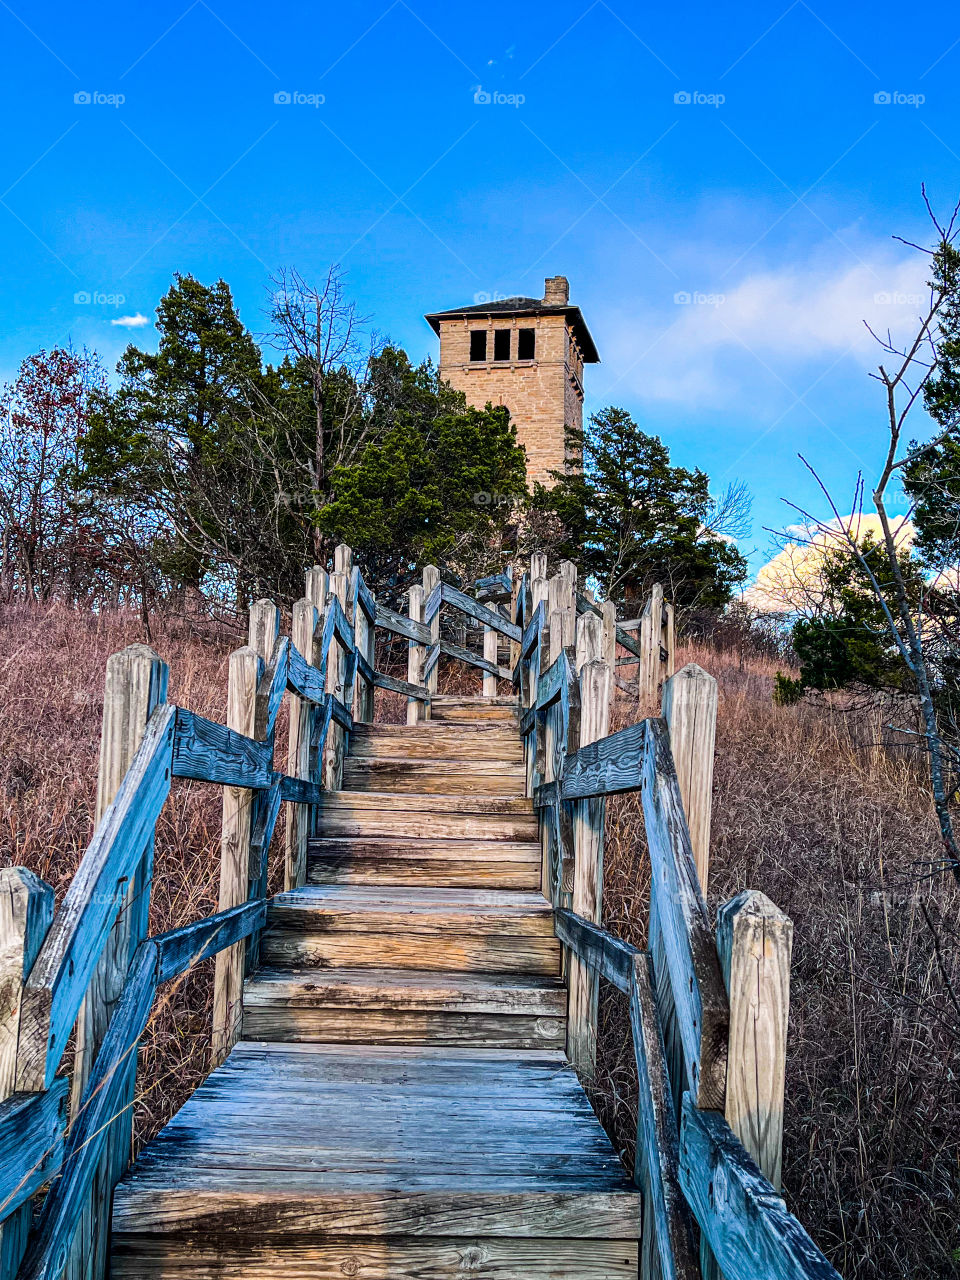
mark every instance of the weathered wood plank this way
{"type": "Point", "coordinates": [612, 958]}
{"type": "Point", "coordinates": [606, 767]}
{"type": "Point", "coordinates": [479, 612]}
{"type": "Point", "coordinates": [212, 752]}
{"type": "Point", "coordinates": [26, 912]}
{"type": "Point", "coordinates": [754, 943]}
{"type": "Point", "coordinates": [416, 653]}
{"type": "Point", "coordinates": [32, 1126]}
{"type": "Point", "coordinates": [51, 1243]}
{"type": "Point", "coordinates": [383, 681]}
{"type": "Point", "coordinates": [65, 964]}
{"type": "Point", "coordinates": [299, 791]}
{"type": "Point", "coordinates": [690, 710]}
{"type": "Point", "coordinates": [302, 678]}
{"type": "Point", "coordinates": [178, 949]}
{"type": "Point", "coordinates": [691, 966]}
{"type": "Point", "coordinates": [300, 757]}
{"type": "Point", "coordinates": [246, 666]}
{"type": "Point", "coordinates": [746, 1222]}
{"type": "Point", "coordinates": [669, 1244]}
{"type": "Point", "coordinates": [473, 660]}
{"type": "Point", "coordinates": [554, 680]}
{"type": "Point", "coordinates": [272, 687]}
{"type": "Point", "coordinates": [364, 597]}
{"type": "Point", "coordinates": [410, 628]}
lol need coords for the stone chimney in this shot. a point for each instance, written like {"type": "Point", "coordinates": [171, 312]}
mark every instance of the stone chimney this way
{"type": "Point", "coordinates": [556, 291]}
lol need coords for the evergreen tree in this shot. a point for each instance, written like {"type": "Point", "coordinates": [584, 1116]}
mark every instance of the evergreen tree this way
{"type": "Point", "coordinates": [631, 519]}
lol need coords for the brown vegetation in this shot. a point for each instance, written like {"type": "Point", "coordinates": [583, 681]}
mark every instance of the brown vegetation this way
{"type": "Point", "coordinates": [834, 831]}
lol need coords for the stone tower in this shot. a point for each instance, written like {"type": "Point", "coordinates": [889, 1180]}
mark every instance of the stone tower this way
{"type": "Point", "coordinates": [526, 353]}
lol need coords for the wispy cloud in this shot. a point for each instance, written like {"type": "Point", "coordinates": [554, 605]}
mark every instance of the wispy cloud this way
{"type": "Point", "coordinates": [131, 322]}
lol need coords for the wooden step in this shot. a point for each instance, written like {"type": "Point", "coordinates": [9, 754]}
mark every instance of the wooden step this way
{"type": "Point", "coordinates": [438, 863]}
{"type": "Point", "coordinates": [325, 1161]}
{"type": "Point", "coordinates": [470, 930]}
{"type": "Point", "coordinates": [373, 813]}
{"type": "Point", "coordinates": [456, 775]}
{"type": "Point", "coordinates": [405, 1006]}
{"type": "Point", "coordinates": [437, 740]}
{"type": "Point", "coordinates": [452, 708]}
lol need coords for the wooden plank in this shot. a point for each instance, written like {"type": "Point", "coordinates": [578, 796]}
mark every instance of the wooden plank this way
{"type": "Point", "coordinates": [365, 598]}
{"type": "Point", "coordinates": [408, 627]}
{"type": "Point", "coordinates": [32, 1126]}
{"type": "Point", "coordinates": [608, 955]}
{"type": "Point", "coordinates": [754, 943]}
{"type": "Point", "coordinates": [302, 678]}
{"type": "Point", "coordinates": [556, 677]}
{"type": "Point", "coordinates": [607, 767]}
{"type": "Point", "coordinates": [63, 969]}
{"type": "Point", "coordinates": [416, 652]}
{"type": "Point", "coordinates": [690, 710]}
{"type": "Point", "coordinates": [26, 912]}
{"type": "Point", "coordinates": [383, 681]}
{"type": "Point", "coordinates": [273, 685]}
{"type": "Point", "coordinates": [531, 634]}
{"type": "Point", "coordinates": [245, 669]}
{"type": "Point", "coordinates": [299, 791]}
{"type": "Point", "coordinates": [690, 964]}
{"type": "Point", "coordinates": [212, 752]}
{"type": "Point", "coordinates": [433, 598]}
{"type": "Point", "coordinates": [135, 684]}
{"type": "Point", "coordinates": [466, 655]}
{"type": "Point", "coordinates": [179, 949]}
{"type": "Point", "coordinates": [479, 612]}
{"type": "Point", "coordinates": [746, 1222]}
{"type": "Point", "coordinates": [299, 755]}
{"type": "Point", "coordinates": [365, 671]}
{"type": "Point", "coordinates": [587, 862]}
{"type": "Point", "coordinates": [52, 1240]}
{"type": "Point", "coordinates": [669, 1249]}
{"type": "Point", "coordinates": [491, 658]}
{"type": "Point", "coordinates": [495, 586]}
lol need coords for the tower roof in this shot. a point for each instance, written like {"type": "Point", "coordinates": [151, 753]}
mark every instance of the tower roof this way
{"type": "Point", "coordinates": [510, 307]}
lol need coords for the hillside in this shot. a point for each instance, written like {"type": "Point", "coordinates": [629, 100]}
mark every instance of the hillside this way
{"type": "Point", "coordinates": [835, 831]}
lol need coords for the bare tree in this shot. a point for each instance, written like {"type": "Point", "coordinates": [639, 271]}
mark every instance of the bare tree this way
{"type": "Point", "coordinates": [903, 378]}
{"type": "Point", "coordinates": [320, 329]}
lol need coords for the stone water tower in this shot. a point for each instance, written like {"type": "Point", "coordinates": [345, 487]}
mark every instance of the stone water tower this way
{"type": "Point", "coordinates": [525, 353]}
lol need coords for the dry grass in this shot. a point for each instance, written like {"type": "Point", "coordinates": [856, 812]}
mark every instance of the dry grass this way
{"type": "Point", "coordinates": [832, 830]}
{"type": "Point", "coordinates": [837, 834]}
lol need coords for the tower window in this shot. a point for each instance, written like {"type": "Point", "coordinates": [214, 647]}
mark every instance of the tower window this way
{"type": "Point", "coordinates": [501, 344]}
{"type": "Point", "coordinates": [478, 344]}
{"type": "Point", "coordinates": [526, 344]}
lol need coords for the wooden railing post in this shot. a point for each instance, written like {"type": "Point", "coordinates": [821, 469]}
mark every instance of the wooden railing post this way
{"type": "Point", "coordinates": [336, 684]}
{"type": "Point", "coordinates": [431, 577]}
{"type": "Point", "coordinates": [343, 564]}
{"type": "Point", "coordinates": [754, 943]}
{"type": "Point", "coordinates": [651, 636]}
{"type": "Point", "coordinates": [299, 755]}
{"type": "Point", "coordinates": [246, 667]}
{"type": "Point", "coordinates": [588, 819]}
{"type": "Point", "coordinates": [364, 638]}
{"type": "Point", "coordinates": [416, 653]}
{"type": "Point", "coordinates": [135, 684]}
{"type": "Point", "coordinates": [562, 609]}
{"type": "Point", "coordinates": [26, 912]}
{"type": "Point", "coordinates": [491, 645]}
{"type": "Point", "coordinates": [690, 710]}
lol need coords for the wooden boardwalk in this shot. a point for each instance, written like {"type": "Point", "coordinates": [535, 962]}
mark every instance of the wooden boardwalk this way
{"type": "Point", "coordinates": [400, 1104]}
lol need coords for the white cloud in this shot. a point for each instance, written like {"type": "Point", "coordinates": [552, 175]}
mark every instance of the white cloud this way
{"type": "Point", "coordinates": [131, 322]}
{"type": "Point", "coordinates": [713, 350]}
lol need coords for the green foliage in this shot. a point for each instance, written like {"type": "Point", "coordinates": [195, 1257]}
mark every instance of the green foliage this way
{"type": "Point", "coordinates": [787, 691]}
{"type": "Point", "coordinates": [631, 519]}
{"type": "Point", "coordinates": [849, 641]}
{"type": "Point", "coordinates": [436, 482]}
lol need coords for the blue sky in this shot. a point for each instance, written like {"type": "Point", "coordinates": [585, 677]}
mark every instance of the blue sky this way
{"type": "Point", "coordinates": [757, 158]}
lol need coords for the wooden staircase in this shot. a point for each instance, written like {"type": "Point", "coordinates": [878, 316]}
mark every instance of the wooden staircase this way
{"type": "Point", "coordinates": [400, 1107]}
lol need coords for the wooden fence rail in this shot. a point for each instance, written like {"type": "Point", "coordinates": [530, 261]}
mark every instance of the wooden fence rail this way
{"type": "Point", "coordinates": [708, 1012]}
